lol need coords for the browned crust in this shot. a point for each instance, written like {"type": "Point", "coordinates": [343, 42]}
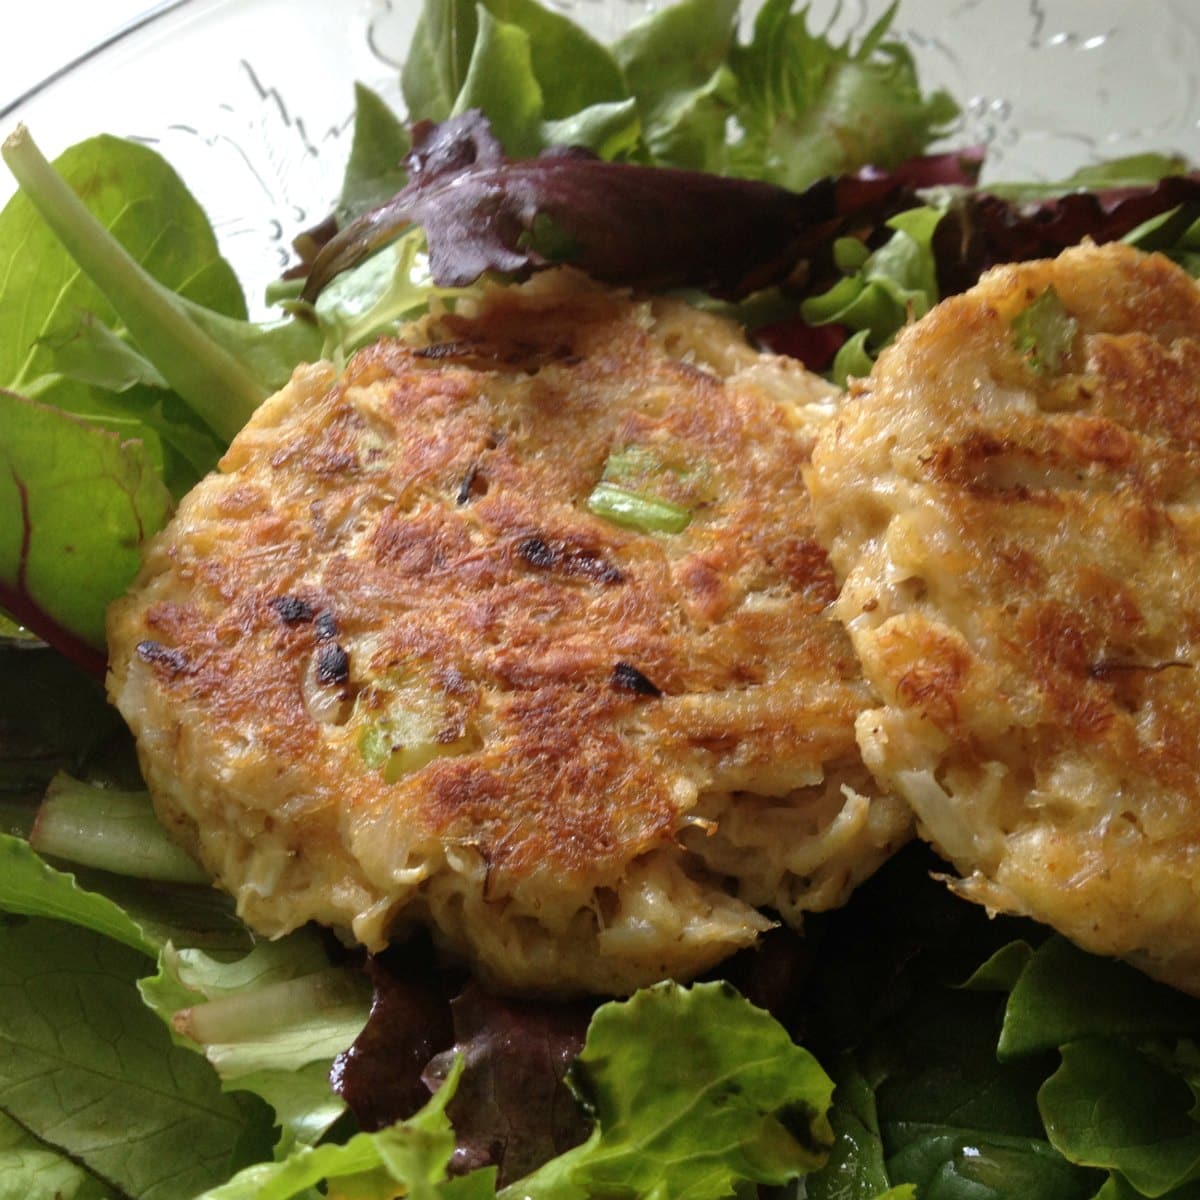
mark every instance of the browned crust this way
{"type": "Point", "coordinates": [430, 508]}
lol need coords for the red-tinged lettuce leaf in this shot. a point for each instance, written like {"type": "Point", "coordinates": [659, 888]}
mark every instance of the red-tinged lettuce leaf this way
{"type": "Point", "coordinates": [622, 223]}
{"type": "Point", "coordinates": [955, 168]}
{"type": "Point", "coordinates": [983, 230]}
{"type": "Point", "coordinates": [380, 1075]}
{"type": "Point", "coordinates": [76, 503]}
{"type": "Point", "coordinates": [512, 1109]}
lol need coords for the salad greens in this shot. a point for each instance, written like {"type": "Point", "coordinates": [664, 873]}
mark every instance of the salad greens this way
{"type": "Point", "coordinates": [150, 1047]}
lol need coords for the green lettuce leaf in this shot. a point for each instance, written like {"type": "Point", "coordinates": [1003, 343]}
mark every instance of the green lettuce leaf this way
{"type": "Point", "coordinates": [142, 916]}
{"type": "Point", "coordinates": [29, 1170]}
{"type": "Point", "coordinates": [414, 1154]}
{"type": "Point", "coordinates": [676, 65]}
{"type": "Point", "coordinates": [881, 290]}
{"type": "Point", "coordinates": [270, 1023]}
{"type": "Point", "coordinates": [87, 1069]}
{"type": "Point", "coordinates": [810, 108]}
{"type": "Point", "coordinates": [693, 1091]}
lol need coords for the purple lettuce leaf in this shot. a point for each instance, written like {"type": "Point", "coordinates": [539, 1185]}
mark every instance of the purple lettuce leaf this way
{"type": "Point", "coordinates": [512, 1108]}
{"type": "Point", "coordinates": [379, 1075]}
{"type": "Point", "coordinates": [650, 227]}
{"type": "Point", "coordinates": [983, 230]}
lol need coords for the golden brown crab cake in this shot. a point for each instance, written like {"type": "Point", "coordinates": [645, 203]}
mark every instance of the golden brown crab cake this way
{"type": "Point", "coordinates": [517, 629]}
{"type": "Point", "coordinates": [1012, 500]}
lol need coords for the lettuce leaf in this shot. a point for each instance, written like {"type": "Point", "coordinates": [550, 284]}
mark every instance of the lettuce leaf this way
{"type": "Point", "coordinates": [693, 1090]}
{"type": "Point", "coordinates": [90, 1072]}
{"type": "Point", "coordinates": [29, 1170]}
{"type": "Point", "coordinates": [270, 1023]}
{"type": "Point", "coordinates": [810, 108]}
{"type": "Point", "coordinates": [676, 63]}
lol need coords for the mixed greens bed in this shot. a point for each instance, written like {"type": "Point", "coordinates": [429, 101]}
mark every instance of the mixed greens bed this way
{"type": "Point", "coordinates": [150, 1046]}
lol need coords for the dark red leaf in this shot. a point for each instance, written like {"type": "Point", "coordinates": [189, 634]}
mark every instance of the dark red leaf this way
{"type": "Point", "coordinates": [512, 1108]}
{"type": "Point", "coordinates": [650, 227]}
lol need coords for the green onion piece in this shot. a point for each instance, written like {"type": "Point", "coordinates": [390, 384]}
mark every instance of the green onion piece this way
{"type": "Point", "coordinates": [1045, 333]}
{"type": "Point", "coordinates": [633, 462]}
{"type": "Point", "coordinates": [646, 514]}
{"type": "Point", "coordinates": [397, 747]}
{"type": "Point", "coordinates": [111, 830]}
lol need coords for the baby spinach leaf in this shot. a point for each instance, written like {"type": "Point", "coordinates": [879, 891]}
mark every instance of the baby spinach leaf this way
{"type": "Point", "coordinates": [221, 365]}
{"type": "Point", "coordinates": [856, 1169]}
{"type": "Point", "coordinates": [374, 170]}
{"type": "Point", "coordinates": [500, 81]}
{"type": "Point", "coordinates": [1066, 995]}
{"type": "Point", "coordinates": [542, 79]}
{"type": "Point", "coordinates": [1110, 1105]}
{"type": "Point", "coordinates": [53, 717]}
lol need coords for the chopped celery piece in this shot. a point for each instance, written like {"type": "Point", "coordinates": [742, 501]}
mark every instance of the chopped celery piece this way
{"type": "Point", "coordinates": [396, 748]}
{"type": "Point", "coordinates": [110, 830]}
{"type": "Point", "coordinates": [1045, 333]}
{"type": "Point", "coordinates": [631, 510]}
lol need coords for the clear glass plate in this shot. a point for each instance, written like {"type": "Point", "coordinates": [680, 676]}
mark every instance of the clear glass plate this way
{"type": "Point", "coordinates": [252, 99]}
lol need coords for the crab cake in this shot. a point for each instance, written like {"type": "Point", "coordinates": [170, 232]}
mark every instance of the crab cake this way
{"type": "Point", "coordinates": [1012, 501]}
{"type": "Point", "coordinates": [516, 629]}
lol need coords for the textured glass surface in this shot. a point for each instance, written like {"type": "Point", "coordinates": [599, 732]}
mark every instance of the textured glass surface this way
{"type": "Point", "coordinates": [251, 99]}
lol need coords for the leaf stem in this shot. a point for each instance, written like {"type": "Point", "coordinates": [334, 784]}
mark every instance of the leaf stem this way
{"type": "Point", "coordinates": [249, 1015]}
{"type": "Point", "coordinates": [211, 380]}
{"type": "Point", "coordinates": [112, 830]}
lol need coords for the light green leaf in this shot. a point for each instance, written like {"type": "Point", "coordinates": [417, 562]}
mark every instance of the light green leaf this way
{"type": "Point", "coordinates": [29, 1170]}
{"type": "Point", "coordinates": [438, 57]}
{"type": "Point", "coordinates": [501, 82]}
{"type": "Point", "coordinates": [413, 1153]}
{"type": "Point", "coordinates": [32, 887]}
{"type": "Point", "coordinates": [810, 107]}
{"type": "Point", "coordinates": [573, 70]}
{"type": "Point", "coordinates": [693, 1091]}
{"type": "Point", "coordinates": [270, 1023]}
{"type": "Point", "coordinates": [374, 171]}
{"type": "Point", "coordinates": [674, 62]}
